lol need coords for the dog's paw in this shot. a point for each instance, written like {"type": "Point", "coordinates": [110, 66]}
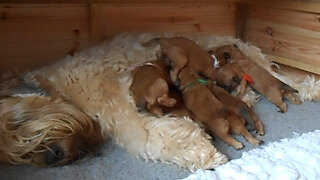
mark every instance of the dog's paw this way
{"type": "Point", "coordinates": [261, 132]}
{"type": "Point", "coordinates": [261, 142]}
{"type": "Point", "coordinates": [283, 108]}
{"type": "Point", "coordinates": [238, 146]}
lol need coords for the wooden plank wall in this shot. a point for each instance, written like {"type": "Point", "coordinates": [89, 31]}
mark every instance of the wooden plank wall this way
{"type": "Point", "coordinates": [215, 18]}
{"type": "Point", "coordinates": [291, 37]}
{"type": "Point", "coordinates": [32, 35]}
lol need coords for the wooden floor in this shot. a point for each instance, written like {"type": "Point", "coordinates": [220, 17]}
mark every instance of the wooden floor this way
{"type": "Point", "coordinates": [298, 72]}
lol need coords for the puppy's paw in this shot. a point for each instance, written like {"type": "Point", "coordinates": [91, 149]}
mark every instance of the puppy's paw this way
{"type": "Point", "coordinates": [261, 133]}
{"type": "Point", "coordinates": [257, 142]}
{"type": "Point", "coordinates": [283, 108]}
{"type": "Point", "coordinates": [261, 142]}
{"type": "Point", "coordinates": [238, 146]}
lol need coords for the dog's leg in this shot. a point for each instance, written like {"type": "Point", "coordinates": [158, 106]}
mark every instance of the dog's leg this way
{"type": "Point", "coordinates": [242, 88]}
{"type": "Point", "coordinates": [231, 141]}
{"type": "Point", "coordinates": [221, 128]}
{"type": "Point", "coordinates": [276, 97]}
{"type": "Point", "coordinates": [248, 113]}
{"type": "Point", "coordinates": [237, 127]}
{"type": "Point", "coordinates": [257, 122]}
{"type": "Point", "coordinates": [283, 107]}
{"type": "Point", "coordinates": [292, 98]}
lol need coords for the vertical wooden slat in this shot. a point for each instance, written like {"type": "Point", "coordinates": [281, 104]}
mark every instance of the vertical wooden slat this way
{"type": "Point", "coordinates": [241, 21]}
{"type": "Point", "coordinates": [95, 22]}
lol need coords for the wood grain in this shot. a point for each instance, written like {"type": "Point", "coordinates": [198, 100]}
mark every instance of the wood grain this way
{"type": "Point", "coordinates": [215, 18]}
{"type": "Point", "coordinates": [241, 21]}
{"type": "Point", "coordinates": [34, 35]}
{"type": "Point", "coordinates": [23, 49]}
{"type": "Point", "coordinates": [310, 6]}
{"type": "Point", "coordinates": [95, 22]}
{"type": "Point", "coordinates": [292, 36]}
{"type": "Point", "coordinates": [26, 63]}
{"type": "Point", "coordinates": [38, 23]}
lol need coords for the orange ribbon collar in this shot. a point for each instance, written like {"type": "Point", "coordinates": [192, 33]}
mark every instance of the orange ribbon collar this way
{"type": "Point", "coordinates": [248, 78]}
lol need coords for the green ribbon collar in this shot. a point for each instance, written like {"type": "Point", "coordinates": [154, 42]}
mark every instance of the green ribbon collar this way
{"type": "Point", "coordinates": [200, 80]}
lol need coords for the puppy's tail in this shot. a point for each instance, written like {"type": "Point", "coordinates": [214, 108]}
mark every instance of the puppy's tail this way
{"type": "Point", "coordinates": [153, 42]}
{"type": "Point", "coordinates": [288, 88]}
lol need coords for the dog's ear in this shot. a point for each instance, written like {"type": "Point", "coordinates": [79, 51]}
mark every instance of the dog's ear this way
{"type": "Point", "coordinates": [234, 45]}
{"type": "Point", "coordinates": [226, 55]}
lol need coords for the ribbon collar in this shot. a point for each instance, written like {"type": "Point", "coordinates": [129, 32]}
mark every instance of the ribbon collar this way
{"type": "Point", "coordinates": [200, 80]}
{"type": "Point", "coordinates": [248, 78]}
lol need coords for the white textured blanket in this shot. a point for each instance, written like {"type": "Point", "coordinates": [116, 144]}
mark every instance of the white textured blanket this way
{"type": "Point", "coordinates": [288, 159]}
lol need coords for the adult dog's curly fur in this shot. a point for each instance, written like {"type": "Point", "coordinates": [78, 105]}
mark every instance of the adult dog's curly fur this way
{"type": "Point", "coordinates": [42, 130]}
{"type": "Point", "coordinates": [92, 87]}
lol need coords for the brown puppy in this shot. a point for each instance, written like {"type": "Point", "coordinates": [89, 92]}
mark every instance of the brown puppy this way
{"type": "Point", "coordinates": [150, 87]}
{"type": "Point", "coordinates": [231, 76]}
{"type": "Point", "coordinates": [237, 106]}
{"type": "Point", "coordinates": [184, 52]}
{"type": "Point", "coordinates": [263, 81]}
{"type": "Point", "coordinates": [209, 110]}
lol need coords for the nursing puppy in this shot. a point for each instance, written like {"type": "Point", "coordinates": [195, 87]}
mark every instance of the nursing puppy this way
{"type": "Point", "coordinates": [263, 81]}
{"type": "Point", "coordinates": [210, 111]}
{"type": "Point", "coordinates": [184, 52]}
{"type": "Point", "coordinates": [230, 77]}
{"type": "Point", "coordinates": [150, 87]}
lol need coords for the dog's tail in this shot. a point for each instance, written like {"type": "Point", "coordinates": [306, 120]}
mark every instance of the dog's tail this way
{"type": "Point", "coordinates": [153, 42]}
{"type": "Point", "coordinates": [288, 88]}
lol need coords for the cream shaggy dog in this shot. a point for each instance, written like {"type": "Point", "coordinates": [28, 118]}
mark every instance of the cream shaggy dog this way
{"type": "Point", "coordinates": [96, 82]}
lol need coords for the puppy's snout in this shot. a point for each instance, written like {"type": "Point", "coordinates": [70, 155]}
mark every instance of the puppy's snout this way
{"type": "Point", "coordinates": [226, 55]}
{"type": "Point", "coordinates": [236, 79]}
{"type": "Point", "coordinates": [54, 155]}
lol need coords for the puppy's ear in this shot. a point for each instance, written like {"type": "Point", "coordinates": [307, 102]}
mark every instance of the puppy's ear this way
{"type": "Point", "coordinates": [234, 45]}
{"type": "Point", "coordinates": [226, 55]}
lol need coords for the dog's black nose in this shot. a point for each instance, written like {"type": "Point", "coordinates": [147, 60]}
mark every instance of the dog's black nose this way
{"type": "Point", "coordinates": [226, 55]}
{"type": "Point", "coordinates": [236, 79]}
{"type": "Point", "coordinates": [229, 89]}
{"type": "Point", "coordinates": [235, 46]}
{"type": "Point", "coordinates": [54, 155]}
